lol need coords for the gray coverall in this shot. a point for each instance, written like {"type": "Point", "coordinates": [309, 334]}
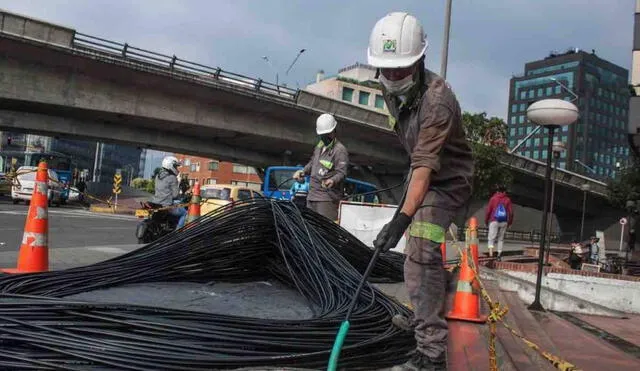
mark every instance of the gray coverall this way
{"type": "Point", "coordinates": [327, 162]}
{"type": "Point", "coordinates": [431, 132]}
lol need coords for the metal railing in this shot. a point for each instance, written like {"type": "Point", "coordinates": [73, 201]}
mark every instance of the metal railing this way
{"type": "Point", "coordinates": [148, 60]}
{"type": "Point", "coordinates": [533, 236]}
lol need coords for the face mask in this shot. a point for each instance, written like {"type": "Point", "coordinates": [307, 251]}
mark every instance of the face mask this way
{"type": "Point", "coordinates": [398, 87]}
{"type": "Point", "coordinates": [326, 139]}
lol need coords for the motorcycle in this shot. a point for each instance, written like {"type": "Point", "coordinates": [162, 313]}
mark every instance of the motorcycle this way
{"type": "Point", "coordinates": [157, 223]}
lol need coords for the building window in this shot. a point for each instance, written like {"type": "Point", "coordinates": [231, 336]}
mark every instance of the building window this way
{"type": "Point", "coordinates": [557, 89]}
{"type": "Point", "coordinates": [213, 165]}
{"type": "Point", "coordinates": [379, 101]}
{"type": "Point", "coordinates": [187, 161]}
{"type": "Point", "coordinates": [363, 98]}
{"type": "Point", "coordinates": [540, 92]}
{"type": "Point", "coordinates": [193, 167]}
{"type": "Point", "coordinates": [523, 107]}
{"type": "Point", "coordinates": [347, 94]}
{"type": "Point", "coordinates": [512, 132]}
{"type": "Point", "coordinates": [521, 119]}
{"type": "Point", "coordinates": [210, 181]}
{"type": "Point", "coordinates": [531, 92]}
{"type": "Point", "coordinates": [549, 90]}
{"type": "Point", "coordinates": [243, 169]}
{"type": "Point", "coordinates": [536, 142]}
{"type": "Point", "coordinates": [250, 185]}
{"type": "Point", "coordinates": [536, 155]}
{"type": "Point", "coordinates": [513, 120]}
{"type": "Point", "coordinates": [523, 94]}
{"type": "Point", "coordinates": [514, 108]}
{"type": "Point", "coordinates": [239, 169]}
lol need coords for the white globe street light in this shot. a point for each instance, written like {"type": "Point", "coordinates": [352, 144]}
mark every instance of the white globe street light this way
{"type": "Point", "coordinates": [550, 113]}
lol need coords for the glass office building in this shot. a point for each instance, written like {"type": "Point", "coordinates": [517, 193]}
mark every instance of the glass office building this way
{"type": "Point", "coordinates": [596, 145]}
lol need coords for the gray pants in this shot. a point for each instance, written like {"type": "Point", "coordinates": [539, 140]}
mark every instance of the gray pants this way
{"type": "Point", "coordinates": [425, 279]}
{"type": "Point", "coordinates": [496, 235]}
{"type": "Point", "coordinates": [328, 209]}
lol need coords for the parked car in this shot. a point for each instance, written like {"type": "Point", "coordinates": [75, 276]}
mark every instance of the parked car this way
{"type": "Point", "coordinates": [5, 185]}
{"type": "Point", "coordinates": [215, 196]}
{"type": "Point", "coordinates": [23, 188]}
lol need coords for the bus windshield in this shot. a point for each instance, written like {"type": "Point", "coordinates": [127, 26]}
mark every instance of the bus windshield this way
{"type": "Point", "coordinates": [280, 179]}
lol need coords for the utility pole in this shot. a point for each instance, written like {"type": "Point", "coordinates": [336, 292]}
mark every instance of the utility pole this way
{"type": "Point", "coordinates": [445, 43]}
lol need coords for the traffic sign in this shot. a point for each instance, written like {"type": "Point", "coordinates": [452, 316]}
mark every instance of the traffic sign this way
{"type": "Point", "coordinates": [623, 221]}
{"type": "Point", "coordinates": [117, 181]}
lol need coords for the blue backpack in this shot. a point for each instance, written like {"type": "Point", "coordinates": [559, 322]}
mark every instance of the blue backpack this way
{"type": "Point", "coordinates": [500, 214]}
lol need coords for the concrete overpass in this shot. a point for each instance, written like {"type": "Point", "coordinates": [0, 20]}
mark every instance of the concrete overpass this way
{"type": "Point", "coordinates": [59, 82]}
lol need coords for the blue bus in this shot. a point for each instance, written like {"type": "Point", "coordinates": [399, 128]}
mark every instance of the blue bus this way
{"type": "Point", "coordinates": [59, 162]}
{"type": "Point", "coordinates": [277, 184]}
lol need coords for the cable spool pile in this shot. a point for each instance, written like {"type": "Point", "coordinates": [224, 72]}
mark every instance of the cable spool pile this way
{"type": "Point", "coordinates": [254, 240]}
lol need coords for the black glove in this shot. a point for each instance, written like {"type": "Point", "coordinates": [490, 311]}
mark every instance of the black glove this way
{"type": "Point", "coordinates": [392, 232]}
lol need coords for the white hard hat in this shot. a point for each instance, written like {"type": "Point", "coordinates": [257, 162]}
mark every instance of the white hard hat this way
{"type": "Point", "coordinates": [397, 40]}
{"type": "Point", "coordinates": [325, 124]}
{"type": "Point", "coordinates": [171, 164]}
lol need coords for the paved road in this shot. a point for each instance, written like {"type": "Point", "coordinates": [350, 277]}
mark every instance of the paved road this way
{"type": "Point", "coordinates": [69, 226]}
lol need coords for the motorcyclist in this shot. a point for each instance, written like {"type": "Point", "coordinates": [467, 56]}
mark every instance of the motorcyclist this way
{"type": "Point", "coordinates": [167, 189]}
{"type": "Point", "coordinates": [299, 192]}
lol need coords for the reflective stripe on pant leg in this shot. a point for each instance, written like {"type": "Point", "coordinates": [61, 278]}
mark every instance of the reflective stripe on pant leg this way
{"type": "Point", "coordinates": [425, 279]}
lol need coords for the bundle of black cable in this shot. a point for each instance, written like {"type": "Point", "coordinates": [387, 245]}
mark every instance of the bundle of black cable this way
{"type": "Point", "coordinates": [261, 239]}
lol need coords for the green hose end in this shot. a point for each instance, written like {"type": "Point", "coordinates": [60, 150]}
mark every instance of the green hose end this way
{"type": "Point", "coordinates": [337, 346]}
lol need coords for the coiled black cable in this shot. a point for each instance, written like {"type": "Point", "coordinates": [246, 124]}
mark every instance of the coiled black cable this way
{"type": "Point", "coordinates": [252, 240]}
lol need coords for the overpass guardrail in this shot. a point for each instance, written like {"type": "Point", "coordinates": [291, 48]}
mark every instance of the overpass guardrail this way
{"type": "Point", "coordinates": [205, 74]}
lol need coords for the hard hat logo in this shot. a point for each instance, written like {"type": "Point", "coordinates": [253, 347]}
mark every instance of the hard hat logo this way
{"type": "Point", "coordinates": [389, 46]}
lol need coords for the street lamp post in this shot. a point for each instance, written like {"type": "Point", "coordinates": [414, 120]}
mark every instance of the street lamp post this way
{"type": "Point", "coordinates": [445, 42]}
{"type": "Point", "coordinates": [294, 61]}
{"type": "Point", "coordinates": [551, 113]}
{"type": "Point", "coordinates": [557, 148]}
{"type": "Point", "coordinates": [585, 188]}
{"type": "Point", "coordinates": [266, 59]}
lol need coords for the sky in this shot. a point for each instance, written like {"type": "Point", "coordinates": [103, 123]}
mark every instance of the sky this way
{"type": "Point", "coordinates": [490, 40]}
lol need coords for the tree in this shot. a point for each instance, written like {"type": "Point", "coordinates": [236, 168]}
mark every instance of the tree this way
{"type": "Point", "coordinates": [487, 137]}
{"type": "Point", "coordinates": [626, 187]}
{"type": "Point", "coordinates": [144, 184]}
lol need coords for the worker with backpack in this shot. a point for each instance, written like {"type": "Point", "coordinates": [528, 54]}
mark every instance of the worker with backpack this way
{"type": "Point", "coordinates": [498, 216]}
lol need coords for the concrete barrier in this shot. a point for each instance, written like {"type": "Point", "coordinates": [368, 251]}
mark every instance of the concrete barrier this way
{"type": "Point", "coordinates": [572, 293]}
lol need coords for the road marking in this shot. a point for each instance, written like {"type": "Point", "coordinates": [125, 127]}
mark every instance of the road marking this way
{"type": "Point", "coordinates": [109, 250]}
{"type": "Point", "coordinates": [75, 214]}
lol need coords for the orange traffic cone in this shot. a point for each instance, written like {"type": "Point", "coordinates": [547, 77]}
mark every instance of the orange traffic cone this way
{"type": "Point", "coordinates": [466, 303]}
{"type": "Point", "coordinates": [194, 205]}
{"type": "Point", "coordinates": [34, 253]}
{"type": "Point", "coordinates": [473, 240]}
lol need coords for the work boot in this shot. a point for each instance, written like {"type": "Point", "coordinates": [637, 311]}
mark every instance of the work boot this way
{"type": "Point", "coordinates": [420, 362]}
{"type": "Point", "coordinates": [402, 322]}
{"type": "Point", "coordinates": [499, 256]}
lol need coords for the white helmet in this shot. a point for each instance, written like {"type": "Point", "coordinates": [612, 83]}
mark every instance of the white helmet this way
{"type": "Point", "coordinates": [171, 164]}
{"type": "Point", "coordinates": [325, 124]}
{"type": "Point", "coordinates": [397, 40]}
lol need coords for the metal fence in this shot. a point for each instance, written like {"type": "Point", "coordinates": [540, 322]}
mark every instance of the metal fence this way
{"type": "Point", "coordinates": [533, 236]}
{"type": "Point", "coordinates": [152, 61]}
